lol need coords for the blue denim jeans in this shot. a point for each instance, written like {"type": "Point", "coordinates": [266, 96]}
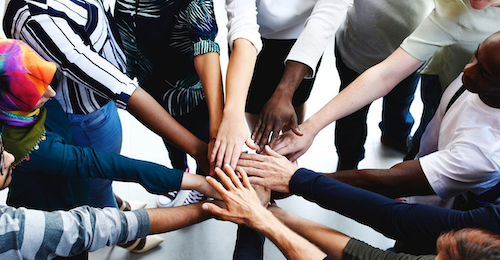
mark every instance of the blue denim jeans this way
{"type": "Point", "coordinates": [396, 125]}
{"type": "Point", "coordinates": [102, 131]}
{"type": "Point", "coordinates": [430, 92]}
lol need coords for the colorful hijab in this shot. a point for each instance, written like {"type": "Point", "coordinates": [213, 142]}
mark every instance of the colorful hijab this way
{"type": "Point", "coordinates": [24, 78]}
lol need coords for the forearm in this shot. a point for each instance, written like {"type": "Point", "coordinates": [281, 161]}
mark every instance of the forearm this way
{"type": "Point", "coordinates": [208, 69]}
{"type": "Point", "coordinates": [292, 76]}
{"type": "Point", "coordinates": [403, 179]}
{"type": "Point", "coordinates": [290, 243]}
{"type": "Point", "coordinates": [81, 229]}
{"type": "Point", "coordinates": [327, 239]}
{"type": "Point", "coordinates": [239, 74]}
{"type": "Point", "coordinates": [145, 108]}
{"type": "Point", "coordinates": [168, 219]}
{"type": "Point", "coordinates": [372, 84]}
{"type": "Point", "coordinates": [402, 221]}
{"type": "Point", "coordinates": [319, 29]}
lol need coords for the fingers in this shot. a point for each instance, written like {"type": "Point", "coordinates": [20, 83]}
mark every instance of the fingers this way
{"type": "Point", "coordinates": [225, 179]}
{"type": "Point", "coordinates": [214, 209]}
{"type": "Point", "coordinates": [244, 178]}
{"type": "Point", "coordinates": [232, 175]}
{"type": "Point", "coordinates": [256, 129]}
{"type": "Point", "coordinates": [295, 127]}
{"type": "Point", "coordinates": [250, 143]}
{"type": "Point", "coordinates": [269, 151]}
{"type": "Point", "coordinates": [216, 185]}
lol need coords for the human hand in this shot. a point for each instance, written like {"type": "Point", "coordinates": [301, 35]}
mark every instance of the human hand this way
{"type": "Point", "coordinates": [293, 146]}
{"type": "Point", "coordinates": [211, 164]}
{"type": "Point", "coordinates": [277, 113]}
{"type": "Point", "coordinates": [263, 193]}
{"type": "Point", "coordinates": [232, 134]}
{"type": "Point", "coordinates": [202, 159]}
{"type": "Point", "coordinates": [273, 170]}
{"type": "Point", "coordinates": [242, 203]}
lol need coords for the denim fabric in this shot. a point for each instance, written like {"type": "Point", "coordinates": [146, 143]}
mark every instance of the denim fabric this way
{"type": "Point", "coordinates": [430, 92]}
{"type": "Point", "coordinates": [197, 122]}
{"type": "Point", "coordinates": [397, 121]}
{"type": "Point", "coordinates": [249, 244]}
{"type": "Point", "coordinates": [102, 131]}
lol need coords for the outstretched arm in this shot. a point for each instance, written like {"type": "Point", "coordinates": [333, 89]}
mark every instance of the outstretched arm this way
{"type": "Point", "coordinates": [208, 69]}
{"type": "Point", "coordinates": [233, 131]}
{"type": "Point", "coordinates": [88, 229]}
{"type": "Point", "coordinates": [278, 111]}
{"type": "Point", "coordinates": [244, 207]}
{"type": "Point", "coordinates": [145, 108]}
{"type": "Point", "coordinates": [79, 62]}
{"type": "Point", "coordinates": [275, 172]}
{"type": "Point", "coordinates": [301, 62]}
{"type": "Point", "coordinates": [359, 93]}
{"type": "Point", "coordinates": [329, 240]}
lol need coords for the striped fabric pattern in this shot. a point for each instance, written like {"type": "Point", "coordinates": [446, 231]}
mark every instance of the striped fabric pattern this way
{"type": "Point", "coordinates": [81, 38]}
{"type": "Point", "coordinates": [41, 235]}
{"type": "Point", "coordinates": [162, 58]}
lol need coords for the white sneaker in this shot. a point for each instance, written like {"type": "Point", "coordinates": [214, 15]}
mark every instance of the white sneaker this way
{"type": "Point", "coordinates": [128, 205]}
{"type": "Point", "coordinates": [167, 200]}
{"type": "Point", "coordinates": [193, 197]}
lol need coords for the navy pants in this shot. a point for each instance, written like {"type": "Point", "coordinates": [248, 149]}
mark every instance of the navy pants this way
{"type": "Point", "coordinates": [197, 122]}
{"type": "Point", "coordinates": [397, 121]}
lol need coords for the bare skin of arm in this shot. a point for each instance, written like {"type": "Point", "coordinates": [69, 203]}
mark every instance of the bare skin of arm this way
{"type": "Point", "coordinates": [329, 240]}
{"type": "Point", "coordinates": [199, 183]}
{"type": "Point", "coordinates": [279, 112]}
{"type": "Point", "coordinates": [275, 172]}
{"type": "Point", "coordinates": [208, 68]}
{"type": "Point", "coordinates": [233, 131]}
{"type": "Point", "coordinates": [244, 207]}
{"type": "Point", "coordinates": [372, 84]}
{"type": "Point", "coordinates": [178, 217]}
{"type": "Point", "coordinates": [145, 108]}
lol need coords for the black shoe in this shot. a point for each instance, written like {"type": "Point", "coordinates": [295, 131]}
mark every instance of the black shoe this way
{"type": "Point", "coordinates": [399, 145]}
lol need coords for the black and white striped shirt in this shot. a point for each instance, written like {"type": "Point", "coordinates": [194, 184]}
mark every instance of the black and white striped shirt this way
{"type": "Point", "coordinates": [80, 36]}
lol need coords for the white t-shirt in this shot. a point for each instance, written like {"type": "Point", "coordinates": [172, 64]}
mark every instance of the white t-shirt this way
{"type": "Point", "coordinates": [461, 151]}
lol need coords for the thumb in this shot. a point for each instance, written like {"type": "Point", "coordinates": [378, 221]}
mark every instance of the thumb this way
{"type": "Point", "coordinates": [212, 208]}
{"type": "Point", "coordinates": [295, 127]}
{"type": "Point", "coordinates": [250, 143]}
{"type": "Point", "coordinates": [271, 152]}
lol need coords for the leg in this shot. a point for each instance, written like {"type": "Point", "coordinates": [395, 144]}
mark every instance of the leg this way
{"type": "Point", "coordinates": [397, 120]}
{"type": "Point", "coordinates": [350, 131]}
{"type": "Point", "coordinates": [430, 90]}
{"type": "Point", "coordinates": [249, 244]}
{"type": "Point", "coordinates": [102, 131]}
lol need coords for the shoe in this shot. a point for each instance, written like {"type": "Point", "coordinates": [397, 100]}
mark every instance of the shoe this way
{"type": "Point", "coordinates": [129, 205]}
{"type": "Point", "coordinates": [193, 197]}
{"type": "Point", "coordinates": [144, 244]}
{"type": "Point", "coordinates": [167, 200]}
{"type": "Point", "coordinates": [400, 146]}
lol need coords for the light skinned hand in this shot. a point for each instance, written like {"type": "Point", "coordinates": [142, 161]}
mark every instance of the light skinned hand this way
{"type": "Point", "coordinates": [272, 170]}
{"type": "Point", "coordinates": [292, 145]}
{"type": "Point", "coordinates": [276, 114]}
{"type": "Point", "coordinates": [243, 206]}
{"type": "Point", "coordinates": [232, 134]}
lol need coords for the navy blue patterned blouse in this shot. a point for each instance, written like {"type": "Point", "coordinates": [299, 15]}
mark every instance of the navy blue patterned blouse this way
{"type": "Point", "coordinates": [160, 39]}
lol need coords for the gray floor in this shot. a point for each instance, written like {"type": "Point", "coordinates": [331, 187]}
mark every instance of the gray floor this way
{"type": "Point", "coordinates": [214, 239]}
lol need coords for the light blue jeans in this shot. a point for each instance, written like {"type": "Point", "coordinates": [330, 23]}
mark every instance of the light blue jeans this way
{"type": "Point", "coordinates": [101, 130]}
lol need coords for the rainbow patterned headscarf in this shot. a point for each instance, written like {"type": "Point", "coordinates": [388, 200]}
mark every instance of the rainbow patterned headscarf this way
{"type": "Point", "coordinates": [24, 78]}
